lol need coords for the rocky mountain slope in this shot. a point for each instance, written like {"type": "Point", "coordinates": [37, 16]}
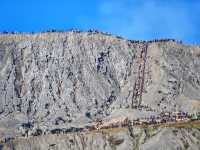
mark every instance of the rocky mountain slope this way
{"type": "Point", "coordinates": [134, 139]}
{"type": "Point", "coordinates": [69, 80]}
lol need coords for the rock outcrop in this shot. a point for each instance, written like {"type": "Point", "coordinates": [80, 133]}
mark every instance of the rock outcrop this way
{"type": "Point", "coordinates": [52, 81]}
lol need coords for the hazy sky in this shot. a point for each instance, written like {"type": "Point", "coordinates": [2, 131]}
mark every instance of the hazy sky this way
{"type": "Point", "coordinates": [133, 19]}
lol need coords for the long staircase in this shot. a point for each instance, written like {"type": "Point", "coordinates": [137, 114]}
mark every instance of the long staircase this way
{"type": "Point", "coordinates": [139, 83]}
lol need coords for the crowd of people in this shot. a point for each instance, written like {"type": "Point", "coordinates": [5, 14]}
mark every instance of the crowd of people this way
{"type": "Point", "coordinates": [162, 118]}
{"type": "Point", "coordinates": [94, 31]}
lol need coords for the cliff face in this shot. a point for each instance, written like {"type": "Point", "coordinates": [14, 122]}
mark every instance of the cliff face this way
{"type": "Point", "coordinates": [64, 80]}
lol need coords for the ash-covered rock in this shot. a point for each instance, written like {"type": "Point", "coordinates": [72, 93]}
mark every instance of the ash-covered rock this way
{"type": "Point", "coordinates": [58, 80]}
